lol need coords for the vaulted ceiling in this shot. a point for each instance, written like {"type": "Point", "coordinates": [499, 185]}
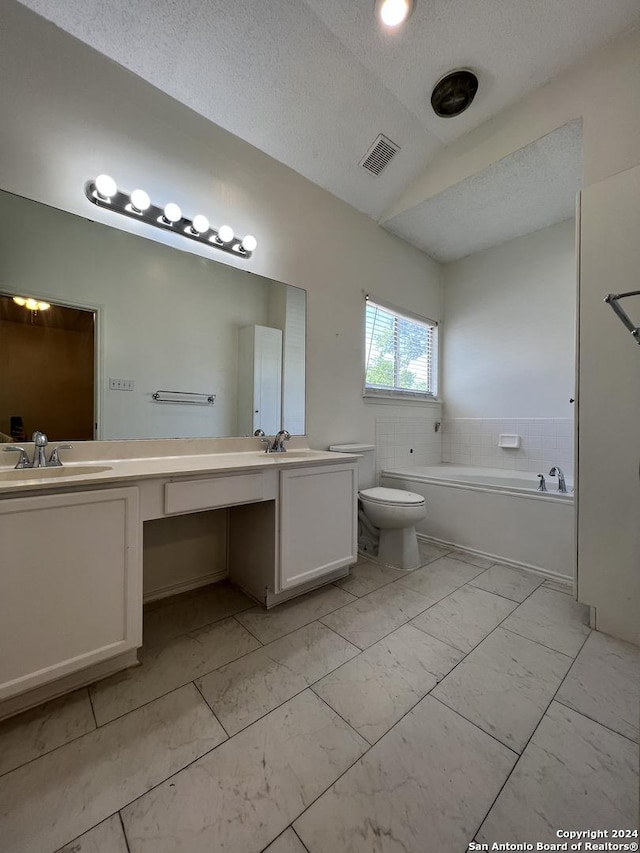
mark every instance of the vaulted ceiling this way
{"type": "Point", "coordinates": [313, 82]}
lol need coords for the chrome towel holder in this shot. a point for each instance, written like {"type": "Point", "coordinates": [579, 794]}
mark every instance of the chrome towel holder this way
{"type": "Point", "coordinates": [187, 398]}
{"type": "Point", "coordinates": [612, 300]}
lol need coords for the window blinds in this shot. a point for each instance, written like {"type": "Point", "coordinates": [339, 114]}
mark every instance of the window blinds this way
{"type": "Point", "coordinates": [400, 353]}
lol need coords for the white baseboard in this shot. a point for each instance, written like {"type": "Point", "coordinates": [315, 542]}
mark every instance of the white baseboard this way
{"type": "Point", "coordinates": [46, 692]}
{"type": "Point", "coordinates": [496, 558]}
{"type": "Point", "coordinates": [184, 586]}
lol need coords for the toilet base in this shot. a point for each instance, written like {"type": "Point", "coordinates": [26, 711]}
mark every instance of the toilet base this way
{"type": "Point", "coordinates": [398, 548]}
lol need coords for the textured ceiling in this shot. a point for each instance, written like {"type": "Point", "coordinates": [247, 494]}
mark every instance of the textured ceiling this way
{"type": "Point", "coordinates": [528, 190]}
{"type": "Point", "coordinates": [313, 82]}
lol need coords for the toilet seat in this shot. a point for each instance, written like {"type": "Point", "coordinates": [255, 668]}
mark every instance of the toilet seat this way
{"type": "Point", "coordinates": [391, 497]}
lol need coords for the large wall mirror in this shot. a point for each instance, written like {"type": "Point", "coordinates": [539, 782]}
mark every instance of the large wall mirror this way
{"type": "Point", "coordinates": [129, 318]}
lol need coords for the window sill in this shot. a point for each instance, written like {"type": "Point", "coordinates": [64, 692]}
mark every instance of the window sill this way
{"type": "Point", "coordinates": [401, 400]}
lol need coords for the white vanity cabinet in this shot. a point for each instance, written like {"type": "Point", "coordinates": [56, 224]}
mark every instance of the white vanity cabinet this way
{"type": "Point", "coordinates": [318, 522]}
{"type": "Point", "coordinates": [306, 537]}
{"type": "Point", "coordinates": [70, 584]}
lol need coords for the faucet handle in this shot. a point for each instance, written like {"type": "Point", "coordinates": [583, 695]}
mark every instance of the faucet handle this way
{"type": "Point", "coordinates": [23, 461]}
{"type": "Point", "coordinates": [543, 486]}
{"type": "Point", "coordinates": [54, 459]}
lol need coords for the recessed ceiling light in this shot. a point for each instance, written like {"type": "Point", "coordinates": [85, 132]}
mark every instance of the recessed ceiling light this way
{"type": "Point", "coordinates": [392, 13]}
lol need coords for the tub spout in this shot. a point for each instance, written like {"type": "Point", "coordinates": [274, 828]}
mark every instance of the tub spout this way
{"type": "Point", "coordinates": [562, 486]}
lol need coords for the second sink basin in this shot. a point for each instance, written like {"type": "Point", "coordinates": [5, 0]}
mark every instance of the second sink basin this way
{"type": "Point", "coordinates": [52, 473]}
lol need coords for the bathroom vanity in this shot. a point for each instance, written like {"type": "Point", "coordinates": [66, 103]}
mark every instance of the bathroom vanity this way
{"type": "Point", "coordinates": [72, 557]}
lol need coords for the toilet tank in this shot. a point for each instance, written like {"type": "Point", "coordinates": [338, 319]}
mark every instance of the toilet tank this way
{"type": "Point", "coordinates": [366, 463]}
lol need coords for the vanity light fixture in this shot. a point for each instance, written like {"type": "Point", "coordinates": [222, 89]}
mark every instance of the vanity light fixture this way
{"type": "Point", "coordinates": [31, 304]}
{"type": "Point", "coordinates": [104, 192]}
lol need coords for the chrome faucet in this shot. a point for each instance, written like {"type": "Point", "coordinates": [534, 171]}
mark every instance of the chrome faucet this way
{"type": "Point", "coordinates": [562, 486]}
{"type": "Point", "coordinates": [40, 442]}
{"type": "Point", "coordinates": [275, 444]}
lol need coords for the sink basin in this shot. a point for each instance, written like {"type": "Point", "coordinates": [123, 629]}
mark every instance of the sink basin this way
{"type": "Point", "coordinates": [290, 454]}
{"type": "Point", "coordinates": [52, 473]}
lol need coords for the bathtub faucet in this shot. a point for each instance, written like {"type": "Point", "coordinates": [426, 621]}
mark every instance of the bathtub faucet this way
{"type": "Point", "coordinates": [562, 486]}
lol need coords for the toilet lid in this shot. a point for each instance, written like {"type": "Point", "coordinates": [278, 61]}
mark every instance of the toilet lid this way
{"type": "Point", "coordinates": [392, 496]}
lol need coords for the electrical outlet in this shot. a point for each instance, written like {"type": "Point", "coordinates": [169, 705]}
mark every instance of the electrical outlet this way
{"type": "Point", "coordinates": [121, 384]}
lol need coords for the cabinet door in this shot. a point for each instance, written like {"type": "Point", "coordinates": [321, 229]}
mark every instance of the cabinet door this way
{"type": "Point", "coordinates": [70, 584]}
{"type": "Point", "coordinates": [318, 522]}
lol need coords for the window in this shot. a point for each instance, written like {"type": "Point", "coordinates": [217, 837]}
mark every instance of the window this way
{"type": "Point", "coordinates": [400, 354]}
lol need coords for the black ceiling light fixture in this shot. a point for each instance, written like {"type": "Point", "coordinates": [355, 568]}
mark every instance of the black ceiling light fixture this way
{"type": "Point", "coordinates": [454, 93]}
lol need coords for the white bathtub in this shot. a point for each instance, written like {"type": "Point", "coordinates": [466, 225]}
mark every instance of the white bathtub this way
{"type": "Point", "coordinates": [496, 513]}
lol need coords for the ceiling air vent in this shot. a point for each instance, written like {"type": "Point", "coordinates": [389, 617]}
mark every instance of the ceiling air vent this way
{"type": "Point", "coordinates": [379, 155]}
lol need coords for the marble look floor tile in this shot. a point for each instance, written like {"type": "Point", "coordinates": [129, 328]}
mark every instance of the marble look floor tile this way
{"type": "Point", "coordinates": [430, 552]}
{"type": "Point", "coordinates": [504, 686]}
{"type": "Point", "coordinates": [106, 837]}
{"type": "Point", "coordinates": [515, 584]}
{"type": "Point", "coordinates": [370, 618]}
{"type": "Point", "coordinates": [366, 577]}
{"type": "Point", "coordinates": [424, 787]}
{"type": "Point", "coordinates": [243, 795]}
{"type": "Point", "coordinates": [166, 667]}
{"type": "Point", "coordinates": [574, 774]}
{"type": "Point", "coordinates": [175, 617]}
{"type": "Point", "coordinates": [247, 689]}
{"type": "Point", "coordinates": [604, 684]}
{"type": "Point", "coordinates": [465, 617]}
{"type": "Point", "coordinates": [472, 559]}
{"type": "Point", "coordinates": [440, 578]}
{"type": "Point", "coordinates": [373, 691]}
{"type": "Point", "coordinates": [559, 586]}
{"type": "Point", "coordinates": [553, 619]}
{"type": "Point", "coordinates": [56, 798]}
{"type": "Point", "coordinates": [38, 731]}
{"type": "Point", "coordinates": [269, 625]}
{"type": "Point", "coordinates": [288, 842]}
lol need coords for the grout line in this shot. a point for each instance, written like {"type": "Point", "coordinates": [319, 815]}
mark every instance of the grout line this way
{"type": "Point", "coordinates": [476, 726]}
{"type": "Point", "coordinates": [247, 630]}
{"type": "Point", "coordinates": [215, 716]}
{"type": "Point", "coordinates": [297, 836]}
{"type": "Point", "coordinates": [192, 630]}
{"type": "Point", "coordinates": [544, 645]}
{"type": "Point", "coordinates": [524, 748]}
{"type": "Point", "coordinates": [124, 833]}
{"type": "Point", "coordinates": [93, 710]}
{"type": "Point", "coordinates": [593, 720]}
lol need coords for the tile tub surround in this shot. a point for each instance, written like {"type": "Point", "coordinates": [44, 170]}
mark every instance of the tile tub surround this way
{"type": "Point", "coordinates": [429, 782]}
{"type": "Point", "coordinates": [544, 442]}
{"type": "Point", "coordinates": [402, 441]}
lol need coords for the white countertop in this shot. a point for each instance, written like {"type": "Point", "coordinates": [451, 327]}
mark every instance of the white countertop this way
{"type": "Point", "coordinates": [14, 482]}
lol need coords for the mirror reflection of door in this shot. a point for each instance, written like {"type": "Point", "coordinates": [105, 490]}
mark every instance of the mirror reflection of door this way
{"type": "Point", "coordinates": [47, 376]}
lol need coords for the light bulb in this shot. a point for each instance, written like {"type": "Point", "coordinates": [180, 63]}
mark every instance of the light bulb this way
{"type": "Point", "coordinates": [140, 200]}
{"type": "Point", "coordinates": [200, 224]}
{"type": "Point", "coordinates": [31, 304]}
{"type": "Point", "coordinates": [225, 234]}
{"type": "Point", "coordinates": [43, 306]}
{"type": "Point", "coordinates": [249, 243]}
{"type": "Point", "coordinates": [394, 12]}
{"type": "Point", "coordinates": [172, 212]}
{"type": "Point", "coordinates": [106, 186]}
{"type": "Point", "coordinates": [19, 300]}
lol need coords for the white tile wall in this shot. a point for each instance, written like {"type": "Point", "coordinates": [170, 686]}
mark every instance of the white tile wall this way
{"type": "Point", "coordinates": [544, 442]}
{"type": "Point", "coordinates": [408, 441]}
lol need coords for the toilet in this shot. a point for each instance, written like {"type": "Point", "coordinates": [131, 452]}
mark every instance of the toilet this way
{"type": "Point", "coordinates": [389, 514]}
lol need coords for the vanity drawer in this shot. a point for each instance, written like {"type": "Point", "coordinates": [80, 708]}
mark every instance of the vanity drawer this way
{"type": "Point", "coordinates": [194, 495]}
